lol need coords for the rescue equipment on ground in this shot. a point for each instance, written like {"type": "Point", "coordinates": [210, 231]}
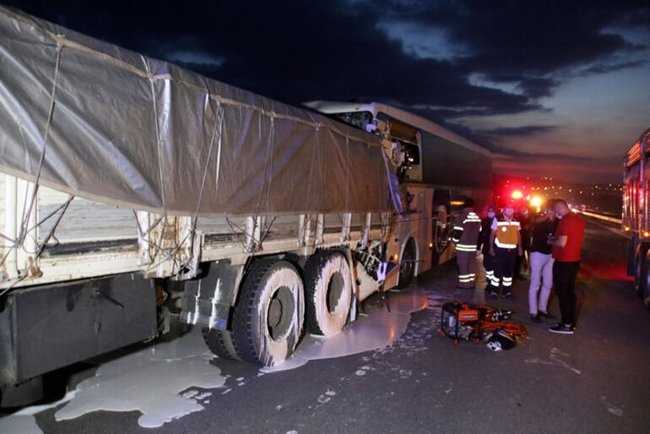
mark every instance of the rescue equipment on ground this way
{"type": "Point", "coordinates": [501, 340]}
{"type": "Point", "coordinates": [465, 322]}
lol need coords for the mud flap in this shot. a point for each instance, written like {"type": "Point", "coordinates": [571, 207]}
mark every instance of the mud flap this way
{"type": "Point", "coordinates": [208, 300]}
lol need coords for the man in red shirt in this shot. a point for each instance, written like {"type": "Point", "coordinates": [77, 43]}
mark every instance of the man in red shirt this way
{"type": "Point", "coordinates": [567, 246]}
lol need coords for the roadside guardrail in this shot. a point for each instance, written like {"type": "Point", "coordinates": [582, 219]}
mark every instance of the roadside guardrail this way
{"type": "Point", "coordinates": [602, 217]}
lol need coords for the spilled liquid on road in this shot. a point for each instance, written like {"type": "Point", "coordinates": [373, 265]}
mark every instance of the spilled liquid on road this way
{"type": "Point", "coordinates": [150, 381]}
{"type": "Point", "coordinates": [161, 381]}
{"type": "Point", "coordinates": [377, 330]}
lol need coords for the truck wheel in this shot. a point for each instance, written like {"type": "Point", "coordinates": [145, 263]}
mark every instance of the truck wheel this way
{"type": "Point", "coordinates": [644, 286]}
{"type": "Point", "coordinates": [269, 315]}
{"type": "Point", "coordinates": [407, 264]}
{"type": "Point", "coordinates": [641, 273]}
{"type": "Point", "coordinates": [220, 343]}
{"type": "Point", "coordinates": [328, 293]}
{"type": "Point", "coordinates": [631, 256]}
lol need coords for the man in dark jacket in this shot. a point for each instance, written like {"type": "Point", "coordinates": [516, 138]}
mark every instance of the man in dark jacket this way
{"type": "Point", "coordinates": [465, 236]}
{"type": "Point", "coordinates": [541, 264]}
{"type": "Point", "coordinates": [484, 244]}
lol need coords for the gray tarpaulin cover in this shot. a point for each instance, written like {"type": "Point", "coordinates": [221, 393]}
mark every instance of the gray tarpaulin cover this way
{"type": "Point", "coordinates": [138, 132]}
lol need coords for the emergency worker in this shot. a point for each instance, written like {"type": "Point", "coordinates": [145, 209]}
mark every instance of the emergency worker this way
{"type": "Point", "coordinates": [523, 258]}
{"type": "Point", "coordinates": [465, 236]}
{"type": "Point", "coordinates": [484, 244]}
{"type": "Point", "coordinates": [505, 245]}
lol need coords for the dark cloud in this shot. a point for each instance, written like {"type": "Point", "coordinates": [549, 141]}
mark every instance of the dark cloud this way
{"type": "Point", "coordinates": [538, 87]}
{"type": "Point", "coordinates": [298, 51]}
{"type": "Point", "coordinates": [344, 49]}
{"type": "Point", "coordinates": [533, 45]}
{"type": "Point", "coordinates": [604, 68]}
{"type": "Point", "coordinates": [524, 130]}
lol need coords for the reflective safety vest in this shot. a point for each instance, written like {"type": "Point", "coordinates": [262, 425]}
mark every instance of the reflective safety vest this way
{"type": "Point", "coordinates": [466, 232]}
{"type": "Point", "coordinates": [507, 234]}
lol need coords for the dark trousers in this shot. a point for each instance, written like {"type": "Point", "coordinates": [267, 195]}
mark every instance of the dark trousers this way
{"type": "Point", "coordinates": [466, 268]}
{"type": "Point", "coordinates": [504, 267]}
{"type": "Point", "coordinates": [488, 264]}
{"type": "Point", "coordinates": [564, 281]}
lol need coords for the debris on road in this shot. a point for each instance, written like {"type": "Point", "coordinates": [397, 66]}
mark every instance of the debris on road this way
{"type": "Point", "coordinates": [465, 322]}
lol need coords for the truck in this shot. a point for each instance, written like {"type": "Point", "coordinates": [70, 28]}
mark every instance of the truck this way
{"type": "Point", "coordinates": [136, 194]}
{"type": "Point", "coordinates": [636, 220]}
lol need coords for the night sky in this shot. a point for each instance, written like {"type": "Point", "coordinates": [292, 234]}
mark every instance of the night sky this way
{"type": "Point", "coordinates": [556, 88]}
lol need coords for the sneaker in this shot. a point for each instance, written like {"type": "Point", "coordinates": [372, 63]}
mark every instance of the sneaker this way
{"type": "Point", "coordinates": [563, 329]}
{"type": "Point", "coordinates": [535, 318]}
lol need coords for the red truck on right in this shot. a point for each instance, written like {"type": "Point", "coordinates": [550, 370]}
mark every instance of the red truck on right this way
{"type": "Point", "coordinates": [636, 221]}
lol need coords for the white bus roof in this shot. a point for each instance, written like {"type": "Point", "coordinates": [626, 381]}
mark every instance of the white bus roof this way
{"type": "Point", "coordinates": [334, 107]}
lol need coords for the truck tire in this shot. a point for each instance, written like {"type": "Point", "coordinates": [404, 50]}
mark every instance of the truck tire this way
{"type": "Point", "coordinates": [631, 256]}
{"type": "Point", "coordinates": [220, 343]}
{"type": "Point", "coordinates": [269, 315]}
{"type": "Point", "coordinates": [407, 264]}
{"type": "Point", "coordinates": [328, 293]}
{"type": "Point", "coordinates": [644, 284]}
{"type": "Point", "coordinates": [641, 273]}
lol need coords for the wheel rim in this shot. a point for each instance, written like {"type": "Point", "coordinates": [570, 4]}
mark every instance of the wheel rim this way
{"type": "Point", "coordinates": [280, 314]}
{"type": "Point", "coordinates": [334, 292]}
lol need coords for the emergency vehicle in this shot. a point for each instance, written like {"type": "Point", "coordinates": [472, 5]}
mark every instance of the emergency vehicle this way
{"type": "Point", "coordinates": [636, 220]}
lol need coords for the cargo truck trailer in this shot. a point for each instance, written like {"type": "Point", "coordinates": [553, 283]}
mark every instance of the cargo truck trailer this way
{"type": "Point", "coordinates": [135, 193]}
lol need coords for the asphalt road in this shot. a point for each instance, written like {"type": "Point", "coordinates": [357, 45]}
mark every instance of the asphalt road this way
{"type": "Point", "coordinates": [597, 381]}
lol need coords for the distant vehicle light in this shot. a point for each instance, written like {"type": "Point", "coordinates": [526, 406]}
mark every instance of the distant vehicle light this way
{"type": "Point", "coordinates": [517, 194]}
{"type": "Point", "coordinates": [536, 201]}
{"type": "Point", "coordinates": [457, 202]}
{"type": "Point", "coordinates": [646, 234]}
{"type": "Point", "coordinates": [627, 229]}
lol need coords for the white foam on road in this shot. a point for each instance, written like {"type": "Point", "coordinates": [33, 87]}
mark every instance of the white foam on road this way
{"type": "Point", "coordinates": [161, 381]}
{"type": "Point", "coordinates": [377, 330]}
{"type": "Point", "coordinates": [151, 381]}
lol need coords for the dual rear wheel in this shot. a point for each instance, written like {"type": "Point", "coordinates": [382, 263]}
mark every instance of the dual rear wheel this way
{"type": "Point", "coordinates": [642, 273]}
{"type": "Point", "coordinates": [274, 304]}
